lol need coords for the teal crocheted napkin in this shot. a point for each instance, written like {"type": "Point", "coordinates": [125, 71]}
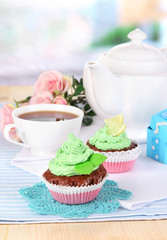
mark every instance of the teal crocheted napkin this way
{"type": "Point", "coordinates": [42, 202]}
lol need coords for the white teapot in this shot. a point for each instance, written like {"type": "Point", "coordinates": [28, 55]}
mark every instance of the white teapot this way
{"type": "Point", "coordinates": [131, 79]}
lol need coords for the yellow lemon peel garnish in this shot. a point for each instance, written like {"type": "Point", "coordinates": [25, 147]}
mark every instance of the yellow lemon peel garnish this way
{"type": "Point", "coordinates": [115, 125]}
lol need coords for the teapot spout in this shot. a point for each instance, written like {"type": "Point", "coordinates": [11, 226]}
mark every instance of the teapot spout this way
{"type": "Point", "coordinates": [98, 83]}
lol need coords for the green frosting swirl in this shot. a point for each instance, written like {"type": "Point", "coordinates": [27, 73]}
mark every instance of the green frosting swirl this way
{"type": "Point", "coordinates": [72, 152]}
{"type": "Point", "coordinates": [103, 141]}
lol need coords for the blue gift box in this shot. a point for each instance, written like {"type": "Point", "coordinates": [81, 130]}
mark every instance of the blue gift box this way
{"type": "Point", "coordinates": [157, 137]}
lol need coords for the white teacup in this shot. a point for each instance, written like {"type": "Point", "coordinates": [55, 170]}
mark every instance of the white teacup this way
{"type": "Point", "coordinates": [44, 138]}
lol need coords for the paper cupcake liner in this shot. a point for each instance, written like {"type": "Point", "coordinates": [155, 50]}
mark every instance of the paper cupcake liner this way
{"type": "Point", "coordinates": [74, 195]}
{"type": "Point", "coordinates": [120, 161]}
{"type": "Point", "coordinates": [118, 167]}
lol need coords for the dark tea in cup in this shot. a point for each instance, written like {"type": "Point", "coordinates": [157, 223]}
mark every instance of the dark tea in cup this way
{"type": "Point", "coordinates": [47, 116]}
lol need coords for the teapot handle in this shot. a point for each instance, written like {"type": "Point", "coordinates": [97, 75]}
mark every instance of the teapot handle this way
{"type": "Point", "coordinates": [88, 76]}
{"type": "Point", "coordinates": [7, 129]}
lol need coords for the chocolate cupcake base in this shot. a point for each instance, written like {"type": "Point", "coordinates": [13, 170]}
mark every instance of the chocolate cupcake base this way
{"type": "Point", "coordinates": [77, 181]}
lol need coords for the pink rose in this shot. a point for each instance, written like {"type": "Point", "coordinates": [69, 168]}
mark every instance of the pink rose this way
{"type": "Point", "coordinates": [13, 135]}
{"type": "Point", "coordinates": [52, 81]}
{"type": "Point", "coordinates": [41, 97]}
{"type": "Point", "coordinates": [6, 115]}
{"type": "Point", "coordinates": [60, 100]}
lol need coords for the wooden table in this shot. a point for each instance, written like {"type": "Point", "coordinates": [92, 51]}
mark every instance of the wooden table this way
{"type": "Point", "coordinates": [121, 230]}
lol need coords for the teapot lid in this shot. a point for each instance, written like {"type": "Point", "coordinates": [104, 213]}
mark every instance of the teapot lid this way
{"type": "Point", "coordinates": [135, 57]}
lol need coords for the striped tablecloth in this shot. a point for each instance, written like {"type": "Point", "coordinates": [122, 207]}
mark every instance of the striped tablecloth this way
{"type": "Point", "coordinates": [14, 209]}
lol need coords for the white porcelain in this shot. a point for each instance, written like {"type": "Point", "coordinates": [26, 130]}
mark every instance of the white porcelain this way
{"type": "Point", "coordinates": [131, 79]}
{"type": "Point", "coordinates": [44, 138]}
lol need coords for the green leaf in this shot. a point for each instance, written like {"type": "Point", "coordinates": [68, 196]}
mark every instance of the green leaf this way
{"type": "Point", "coordinates": [75, 82]}
{"type": "Point", "coordinates": [88, 110]}
{"type": "Point", "coordinates": [81, 81]}
{"type": "Point", "coordinates": [22, 101]}
{"type": "Point", "coordinates": [78, 90]}
{"type": "Point", "coordinates": [87, 107]}
{"type": "Point", "coordinates": [91, 113]}
{"type": "Point", "coordinates": [84, 168]}
{"type": "Point", "coordinates": [87, 120]}
{"type": "Point", "coordinates": [93, 161]}
{"type": "Point", "coordinates": [26, 100]}
{"type": "Point", "coordinates": [96, 159]}
{"type": "Point", "coordinates": [69, 99]}
{"type": "Point", "coordinates": [17, 105]}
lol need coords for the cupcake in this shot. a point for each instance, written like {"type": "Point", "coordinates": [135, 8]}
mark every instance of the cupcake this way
{"type": "Point", "coordinates": [112, 141]}
{"type": "Point", "coordinates": [76, 174]}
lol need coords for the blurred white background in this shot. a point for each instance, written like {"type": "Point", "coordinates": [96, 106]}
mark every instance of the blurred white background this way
{"type": "Point", "coordinates": [41, 35]}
